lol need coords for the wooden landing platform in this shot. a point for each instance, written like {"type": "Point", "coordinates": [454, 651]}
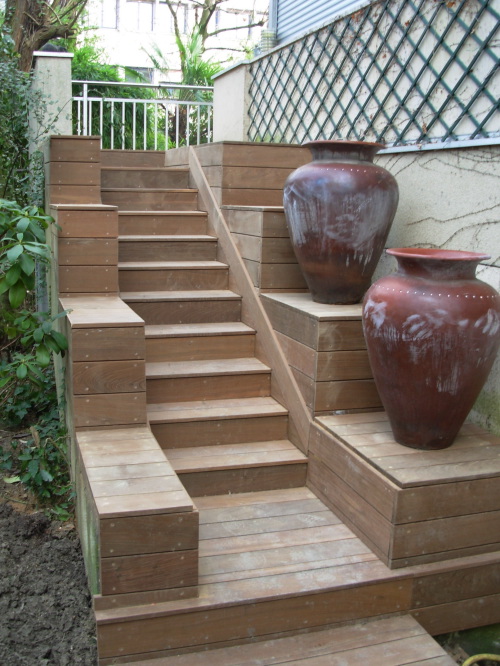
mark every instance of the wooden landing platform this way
{"type": "Point", "coordinates": [410, 506]}
{"type": "Point", "coordinates": [392, 642]}
{"type": "Point", "coordinates": [280, 562]}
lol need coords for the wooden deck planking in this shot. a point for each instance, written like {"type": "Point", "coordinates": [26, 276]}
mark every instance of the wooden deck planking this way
{"type": "Point", "coordinates": [389, 641]}
{"type": "Point", "coordinates": [474, 454]}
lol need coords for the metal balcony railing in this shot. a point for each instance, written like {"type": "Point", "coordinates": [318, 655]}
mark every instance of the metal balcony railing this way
{"type": "Point", "coordinates": [139, 116]}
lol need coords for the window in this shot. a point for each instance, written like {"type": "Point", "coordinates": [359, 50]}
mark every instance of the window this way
{"type": "Point", "coordinates": [139, 15]}
{"type": "Point", "coordinates": [139, 74]}
{"type": "Point", "coordinates": [106, 13]}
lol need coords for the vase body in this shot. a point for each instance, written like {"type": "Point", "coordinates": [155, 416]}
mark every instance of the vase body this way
{"type": "Point", "coordinates": [432, 331]}
{"type": "Point", "coordinates": [339, 209]}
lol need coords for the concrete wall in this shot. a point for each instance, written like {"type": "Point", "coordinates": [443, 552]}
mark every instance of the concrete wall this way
{"type": "Point", "coordinates": [451, 199]}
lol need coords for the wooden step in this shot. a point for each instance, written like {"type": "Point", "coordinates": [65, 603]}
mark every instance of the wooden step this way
{"type": "Point", "coordinates": [167, 248]}
{"type": "Point", "coordinates": [172, 275]}
{"type": "Point", "coordinates": [162, 223]}
{"type": "Point", "coordinates": [239, 468]}
{"type": "Point", "coordinates": [276, 561]}
{"type": "Point", "coordinates": [215, 422]}
{"type": "Point", "coordinates": [394, 641]}
{"type": "Point", "coordinates": [133, 158]}
{"type": "Point", "coordinates": [159, 199]}
{"type": "Point", "coordinates": [141, 176]}
{"type": "Point", "coordinates": [189, 342]}
{"type": "Point", "coordinates": [214, 379]}
{"type": "Point", "coordinates": [184, 307]}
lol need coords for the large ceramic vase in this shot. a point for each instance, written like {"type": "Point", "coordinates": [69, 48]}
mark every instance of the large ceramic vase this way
{"type": "Point", "coordinates": [339, 209]}
{"type": "Point", "coordinates": [432, 330]}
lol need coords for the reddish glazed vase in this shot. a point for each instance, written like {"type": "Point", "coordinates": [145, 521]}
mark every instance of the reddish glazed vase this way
{"type": "Point", "coordinates": [432, 330]}
{"type": "Point", "coordinates": [339, 209]}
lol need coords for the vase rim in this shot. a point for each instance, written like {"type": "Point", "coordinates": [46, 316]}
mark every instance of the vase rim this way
{"type": "Point", "coordinates": [337, 143]}
{"type": "Point", "coordinates": [437, 254]}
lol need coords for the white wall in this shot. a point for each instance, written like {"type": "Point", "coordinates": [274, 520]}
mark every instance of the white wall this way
{"type": "Point", "coordinates": [451, 199]}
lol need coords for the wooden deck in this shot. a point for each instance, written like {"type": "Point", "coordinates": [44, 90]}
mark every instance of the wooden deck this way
{"type": "Point", "coordinates": [291, 538]}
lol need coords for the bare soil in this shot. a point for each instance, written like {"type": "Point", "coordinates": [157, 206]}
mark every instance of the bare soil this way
{"type": "Point", "coordinates": [45, 604]}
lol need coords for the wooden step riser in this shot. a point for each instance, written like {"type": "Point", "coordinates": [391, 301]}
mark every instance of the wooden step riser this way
{"type": "Point", "coordinates": [199, 348]}
{"type": "Point", "coordinates": [141, 200]}
{"type": "Point", "coordinates": [167, 250]}
{"type": "Point", "coordinates": [133, 158]}
{"type": "Point", "coordinates": [161, 225]}
{"type": "Point", "coordinates": [172, 280]}
{"type": "Point", "coordinates": [190, 312]}
{"type": "Point", "coordinates": [138, 178]}
{"type": "Point", "coordinates": [245, 480]}
{"type": "Point", "coordinates": [217, 387]}
{"type": "Point", "coordinates": [177, 633]}
{"type": "Point", "coordinates": [223, 431]}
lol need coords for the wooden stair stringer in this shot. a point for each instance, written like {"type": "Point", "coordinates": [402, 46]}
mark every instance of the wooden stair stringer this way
{"type": "Point", "coordinates": [283, 384]}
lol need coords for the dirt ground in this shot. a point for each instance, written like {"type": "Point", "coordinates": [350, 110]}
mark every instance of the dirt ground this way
{"type": "Point", "coordinates": [45, 605]}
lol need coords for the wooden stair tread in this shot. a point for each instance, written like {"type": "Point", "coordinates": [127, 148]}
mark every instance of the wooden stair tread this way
{"type": "Point", "coordinates": [172, 238]}
{"type": "Point", "coordinates": [234, 456]}
{"type": "Point", "coordinates": [230, 366]}
{"type": "Point", "coordinates": [197, 330]}
{"type": "Point", "coordinates": [170, 265]}
{"type": "Point", "coordinates": [192, 295]}
{"type": "Point", "coordinates": [200, 410]}
{"type": "Point", "coordinates": [189, 190]}
{"type": "Point", "coordinates": [390, 641]}
{"type": "Point", "coordinates": [166, 213]}
{"type": "Point", "coordinates": [145, 168]}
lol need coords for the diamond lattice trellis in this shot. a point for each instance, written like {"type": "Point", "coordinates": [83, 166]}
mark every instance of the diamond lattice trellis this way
{"type": "Point", "coordinates": [402, 72]}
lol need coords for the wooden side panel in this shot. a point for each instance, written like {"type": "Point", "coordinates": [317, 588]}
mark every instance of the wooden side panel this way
{"type": "Point", "coordinates": [75, 194]}
{"type": "Point", "coordinates": [75, 173]}
{"type": "Point", "coordinates": [88, 252]}
{"type": "Point", "coordinates": [108, 377]}
{"type": "Point", "coordinates": [88, 280]}
{"type": "Point", "coordinates": [75, 149]}
{"type": "Point", "coordinates": [85, 223]}
{"type": "Point", "coordinates": [110, 409]}
{"type": "Point", "coordinates": [109, 343]}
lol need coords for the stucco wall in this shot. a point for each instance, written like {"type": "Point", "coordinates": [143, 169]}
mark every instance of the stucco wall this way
{"type": "Point", "coordinates": [451, 199]}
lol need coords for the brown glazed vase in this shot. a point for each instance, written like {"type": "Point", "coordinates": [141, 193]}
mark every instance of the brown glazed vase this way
{"type": "Point", "coordinates": [339, 209]}
{"type": "Point", "coordinates": [432, 330]}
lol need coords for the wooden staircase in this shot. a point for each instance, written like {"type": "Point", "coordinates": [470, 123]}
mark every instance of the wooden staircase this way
{"type": "Point", "coordinates": [280, 575]}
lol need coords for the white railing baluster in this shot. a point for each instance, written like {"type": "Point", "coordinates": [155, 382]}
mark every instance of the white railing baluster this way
{"type": "Point", "coordinates": [197, 124]}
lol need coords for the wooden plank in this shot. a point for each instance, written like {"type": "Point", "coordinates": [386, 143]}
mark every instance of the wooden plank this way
{"type": "Point", "coordinates": [75, 149]}
{"type": "Point", "coordinates": [75, 173]}
{"type": "Point", "coordinates": [282, 276]}
{"type": "Point", "coordinates": [246, 385]}
{"type": "Point", "coordinates": [449, 586]}
{"type": "Point", "coordinates": [249, 177]}
{"type": "Point", "coordinates": [252, 478]}
{"type": "Point", "coordinates": [249, 500]}
{"type": "Point", "coordinates": [447, 499]}
{"type": "Point", "coordinates": [154, 571]}
{"type": "Point", "coordinates": [88, 279]}
{"type": "Point", "coordinates": [107, 344]}
{"type": "Point", "coordinates": [135, 486]}
{"type": "Point", "coordinates": [250, 247]}
{"type": "Point", "coordinates": [143, 504]}
{"type": "Point", "coordinates": [133, 470]}
{"type": "Point", "coordinates": [248, 511]}
{"type": "Point", "coordinates": [88, 252]}
{"type": "Point", "coordinates": [74, 194]}
{"type": "Point", "coordinates": [110, 409]}
{"type": "Point", "coordinates": [108, 377]}
{"type": "Point", "coordinates": [191, 459]}
{"type": "Point", "coordinates": [278, 250]}
{"type": "Point", "coordinates": [247, 197]}
{"type": "Point", "coordinates": [242, 154]}
{"type": "Point", "coordinates": [356, 394]}
{"type": "Point", "coordinates": [200, 347]}
{"type": "Point", "coordinates": [460, 615]}
{"type": "Point", "coordinates": [364, 479]}
{"type": "Point", "coordinates": [148, 534]}
{"type": "Point", "coordinates": [345, 644]}
{"type": "Point", "coordinates": [447, 535]}
{"type": "Point", "coordinates": [99, 310]}
{"type": "Point", "coordinates": [143, 598]}
{"type": "Point", "coordinates": [267, 617]}
{"type": "Point", "coordinates": [256, 221]}
{"type": "Point", "coordinates": [87, 222]}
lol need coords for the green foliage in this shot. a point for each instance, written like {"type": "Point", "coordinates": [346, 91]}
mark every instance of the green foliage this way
{"type": "Point", "coordinates": [40, 462]}
{"type": "Point", "coordinates": [20, 174]}
{"type": "Point", "coordinates": [27, 338]}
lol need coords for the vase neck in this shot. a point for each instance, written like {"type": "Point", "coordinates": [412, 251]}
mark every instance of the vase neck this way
{"type": "Point", "coordinates": [339, 151]}
{"type": "Point", "coordinates": [440, 265]}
